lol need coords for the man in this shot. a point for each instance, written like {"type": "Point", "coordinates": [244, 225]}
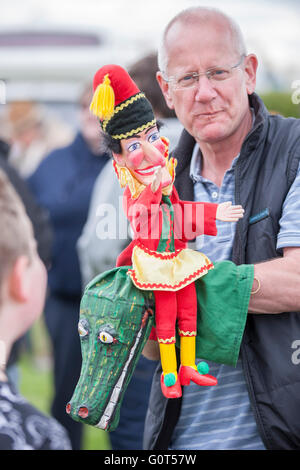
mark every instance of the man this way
{"type": "Point", "coordinates": [63, 185]}
{"type": "Point", "coordinates": [232, 149]}
{"type": "Point", "coordinates": [23, 281]}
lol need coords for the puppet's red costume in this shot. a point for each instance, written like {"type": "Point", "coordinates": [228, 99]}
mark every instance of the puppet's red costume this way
{"type": "Point", "coordinates": [162, 224]}
{"type": "Point", "coordinates": [161, 261]}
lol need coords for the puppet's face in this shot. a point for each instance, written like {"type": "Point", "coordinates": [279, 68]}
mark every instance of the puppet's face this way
{"type": "Point", "coordinates": [142, 154]}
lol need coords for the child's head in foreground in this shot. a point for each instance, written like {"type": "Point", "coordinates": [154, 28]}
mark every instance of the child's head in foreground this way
{"type": "Point", "coordinates": [23, 277]}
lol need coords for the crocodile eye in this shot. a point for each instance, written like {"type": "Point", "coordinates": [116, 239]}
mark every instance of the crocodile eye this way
{"type": "Point", "coordinates": [106, 337]}
{"type": "Point", "coordinates": [83, 328]}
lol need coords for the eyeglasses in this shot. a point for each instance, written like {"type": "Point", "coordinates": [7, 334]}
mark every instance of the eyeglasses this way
{"type": "Point", "coordinates": [216, 74]}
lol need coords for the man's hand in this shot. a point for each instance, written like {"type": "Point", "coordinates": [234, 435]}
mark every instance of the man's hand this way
{"type": "Point", "coordinates": [229, 213]}
{"type": "Point", "coordinates": [279, 281]}
{"type": "Point", "coordinates": [151, 350]}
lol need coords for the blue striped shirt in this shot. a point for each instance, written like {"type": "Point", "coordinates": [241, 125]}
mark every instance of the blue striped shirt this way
{"type": "Point", "coordinates": [220, 418]}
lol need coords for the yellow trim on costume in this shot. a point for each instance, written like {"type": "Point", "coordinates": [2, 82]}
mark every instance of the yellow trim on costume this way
{"type": "Point", "coordinates": [187, 333]}
{"type": "Point", "coordinates": [167, 341]}
{"type": "Point", "coordinates": [131, 100]}
{"type": "Point", "coordinates": [164, 271]}
{"type": "Point", "coordinates": [134, 131]}
{"type": "Point", "coordinates": [121, 107]}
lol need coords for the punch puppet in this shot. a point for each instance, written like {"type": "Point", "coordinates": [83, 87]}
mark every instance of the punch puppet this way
{"type": "Point", "coordinates": [162, 224]}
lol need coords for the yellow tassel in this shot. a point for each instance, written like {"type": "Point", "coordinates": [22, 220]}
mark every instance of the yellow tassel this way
{"type": "Point", "coordinates": [103, 101]}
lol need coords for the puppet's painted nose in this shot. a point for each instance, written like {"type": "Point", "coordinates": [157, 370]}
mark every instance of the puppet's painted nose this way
{"type": "Point", "coordinates": [152, 154]}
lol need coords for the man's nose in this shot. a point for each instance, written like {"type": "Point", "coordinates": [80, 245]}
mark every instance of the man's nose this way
{"type": "Point", "coordinates": [205, 90]}
{"type": "Point", "coordinates": [152, 154]}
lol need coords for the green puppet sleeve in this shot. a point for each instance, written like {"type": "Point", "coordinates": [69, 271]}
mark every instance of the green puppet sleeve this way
{"type": "Point", "coordinates": [223, 296]}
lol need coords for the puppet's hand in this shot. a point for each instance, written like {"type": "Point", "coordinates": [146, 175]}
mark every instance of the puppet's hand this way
{"type": "Point", "coordinates": [156, 180]}
{"type": "Point", "coordinates": [229, 213]}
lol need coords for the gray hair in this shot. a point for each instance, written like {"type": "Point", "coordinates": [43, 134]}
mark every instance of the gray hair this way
{"type": "Point", "coordinates": [194, 15]}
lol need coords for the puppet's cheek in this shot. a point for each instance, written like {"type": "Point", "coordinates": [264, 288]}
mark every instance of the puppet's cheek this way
{"type": "Point", "coordinates": [134, 159]}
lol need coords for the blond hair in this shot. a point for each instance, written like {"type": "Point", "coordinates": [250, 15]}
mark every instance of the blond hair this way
{"type": "Point", "coordinates": [15, 236]}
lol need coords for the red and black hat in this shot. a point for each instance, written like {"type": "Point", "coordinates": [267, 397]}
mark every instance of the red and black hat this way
{"type": "Point", "coordinates": [122, 108]}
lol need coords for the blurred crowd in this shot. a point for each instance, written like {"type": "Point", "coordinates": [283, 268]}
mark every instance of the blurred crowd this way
{"type": "Point", "coordinates": [62, 175]}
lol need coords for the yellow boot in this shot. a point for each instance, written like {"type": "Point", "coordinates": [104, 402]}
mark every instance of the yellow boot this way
{"type": "Point", "coordinates": [188, 370]}
{"type": "Point", "coordinates": [169, 384]}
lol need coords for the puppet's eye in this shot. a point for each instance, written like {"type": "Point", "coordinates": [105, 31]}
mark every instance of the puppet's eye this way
{"type": "Point", "coordinates": [134, 146]}
{"type": "Point", "coordinates": [153, 137]}
{"type": "Point", "coordinates": [105, 337]}
{"type": "Point", "coordinates": [83, 328]}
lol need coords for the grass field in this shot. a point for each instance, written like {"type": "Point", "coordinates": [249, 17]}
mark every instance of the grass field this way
{"type": "Point", "coordinates": [36, 383]}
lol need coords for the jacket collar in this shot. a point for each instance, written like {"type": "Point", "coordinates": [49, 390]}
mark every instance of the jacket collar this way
{"type": "Point", "coordinates": [260, 127]}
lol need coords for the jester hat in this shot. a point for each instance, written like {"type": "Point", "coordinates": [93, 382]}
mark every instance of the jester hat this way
{"type": "Point", "coordinates": [122, 108]}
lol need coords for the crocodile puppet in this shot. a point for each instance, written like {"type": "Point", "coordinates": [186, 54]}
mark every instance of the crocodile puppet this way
{"type": "Point", "coordinates": [115, 322]}
{"type": "Point", "coordinates": [157, 273]}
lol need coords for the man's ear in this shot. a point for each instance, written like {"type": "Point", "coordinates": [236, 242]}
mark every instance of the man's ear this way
{"type": "Point", "coordinates": [18, 282]}
{"type": "Point", "coordinates": [119, 158]}
{"type": "Point", "coordinates": [251, 64]}
{"type": "Point", "coordinates": [165, 88]}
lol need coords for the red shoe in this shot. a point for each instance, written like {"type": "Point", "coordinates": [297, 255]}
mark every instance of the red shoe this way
{"type": "Point", "coordinates": [186, 374]}
{"type": "Point", "coordinates": [174, 391]}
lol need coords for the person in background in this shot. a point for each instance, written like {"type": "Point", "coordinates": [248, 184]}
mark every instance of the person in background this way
{"type": "Point", "coordinates": [63, 184]}
{"type": "Point", "coordinates": [233, 149]}
{"type": "Point", "coordinates": [23, 282]}
{"type": "Point", "coordinates": [32, 132]}
{"type": "Point", "coordinates": [43, 235]}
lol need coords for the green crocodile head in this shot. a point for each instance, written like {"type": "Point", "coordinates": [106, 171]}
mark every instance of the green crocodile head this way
{"type": "Point", "coordinates": [114, 324]}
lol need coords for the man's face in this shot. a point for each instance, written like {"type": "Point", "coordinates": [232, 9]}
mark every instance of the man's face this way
{"type": "Point", "coordinates": [212, 110]}
{"type": "Point", "coordinates": [142, 154]}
